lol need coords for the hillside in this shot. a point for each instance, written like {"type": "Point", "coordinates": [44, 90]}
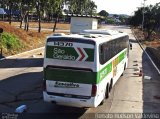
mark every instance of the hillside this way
{"type": "Point", "coordinates": [29, 40]}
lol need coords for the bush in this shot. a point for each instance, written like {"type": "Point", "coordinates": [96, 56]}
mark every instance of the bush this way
{"type": "Point", "coordinates": [110, 21]}
{"type": "Point", "coordinates": [10, 42]}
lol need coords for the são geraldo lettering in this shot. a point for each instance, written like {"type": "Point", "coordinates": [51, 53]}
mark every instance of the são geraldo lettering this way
{"type": "Point", "coordinates": [60, 54]}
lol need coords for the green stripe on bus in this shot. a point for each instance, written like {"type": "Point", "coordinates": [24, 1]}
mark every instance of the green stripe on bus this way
{"type": "Point", "coordinates": [67, 53]}
{"type": "Point", "coordinates": [104, 72]}
{"type": "Point", "coordinates": [122, 56]}
{"type": "Point", "coordinates": [70, 76]}
{"type": "Point", "coordinates": [55, 52]}
{"type": "Point", "coordinates": [90, 53]}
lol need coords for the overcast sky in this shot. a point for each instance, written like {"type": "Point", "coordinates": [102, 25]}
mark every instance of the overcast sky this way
{"type": "Point", "coordinates": [121, 6]}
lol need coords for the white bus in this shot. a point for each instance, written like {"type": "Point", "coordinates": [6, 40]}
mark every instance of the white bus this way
{"type": "Point", "coordinates": [80, 70]}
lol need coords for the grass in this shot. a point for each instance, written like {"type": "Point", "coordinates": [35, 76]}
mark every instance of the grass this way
{"type": "Point", "coordinates": [10, 43]}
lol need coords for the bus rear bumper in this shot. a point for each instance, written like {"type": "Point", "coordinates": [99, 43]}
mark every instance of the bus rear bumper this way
{"type": "Point", "coordinates": [66, 101]}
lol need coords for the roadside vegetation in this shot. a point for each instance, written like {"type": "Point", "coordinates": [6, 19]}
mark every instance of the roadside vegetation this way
{"type": "Point", "coordinates": [147, 19]}
{"type": "Point", "coordinates": [107, 18]}
{"type": "Point", "coordinates": [10, 42]}
{"type": "Point", "coordinates": [146, 26]}
{"type": "Point", "coordinates": [15, 40]}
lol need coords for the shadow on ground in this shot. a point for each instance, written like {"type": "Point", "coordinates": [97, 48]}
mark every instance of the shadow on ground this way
{"type": "Point", "coordinates": [26, 87]}
{"type": "Point", "coordinates": [151, 87]}
{"type": "Point", "coordinates": [21, 62]}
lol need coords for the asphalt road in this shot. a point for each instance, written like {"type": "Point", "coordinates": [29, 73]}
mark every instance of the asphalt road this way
{"type": "Point", "coordinates": [21, 83]}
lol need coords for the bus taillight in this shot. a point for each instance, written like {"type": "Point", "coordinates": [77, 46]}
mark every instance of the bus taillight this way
{"type": "Point", "coordinates": [44, 85]}
{"type": "Point", "coordinates": [94, 90]}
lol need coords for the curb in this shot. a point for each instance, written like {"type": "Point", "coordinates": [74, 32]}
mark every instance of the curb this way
{"type": "Point", "coordinates": [157, 69]}
{"type": "Point", "coordinates": [23, 53]}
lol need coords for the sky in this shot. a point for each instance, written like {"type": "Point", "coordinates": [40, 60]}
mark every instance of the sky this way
{"type": "Point", "coordinates": [122, 6]}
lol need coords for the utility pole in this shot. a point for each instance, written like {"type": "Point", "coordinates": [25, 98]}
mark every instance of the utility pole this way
{"type": "Point", "coordinates": [143, 11]}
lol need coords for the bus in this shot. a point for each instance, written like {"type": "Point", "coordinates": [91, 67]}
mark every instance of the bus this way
{"type": "Point", "coordinates": [81, 69]}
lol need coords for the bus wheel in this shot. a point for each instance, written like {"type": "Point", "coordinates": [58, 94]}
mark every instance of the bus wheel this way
{"type": "Point", "coordinates": [122, 74]}
{"type": "Point", "coordinates": [107, 92]}
{"type": "Point", "coordinates": [124, 69]}
{"type": "Point", "coordinates": [110, 86]}
{"type": "Point", "coordinates": [103, 101]}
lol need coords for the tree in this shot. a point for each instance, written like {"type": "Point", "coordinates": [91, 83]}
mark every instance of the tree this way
{"type": "Point", "coordinates": [11, 7]}
{"type": "Point", "coordinates": [87, 7]}
{"type": "Point", "coordinates": [54, 8]}
{"type": "Point", "coordinates": [47, 9]}
{"type": "Point", "coordinates": [136, 20]}
{"type": "Point", "coordinates": [110, 21]}
{"type": "Point", "coordinates": [3, 4]}
{"type": "Point", "coordinates": [152, 19]}
{"type": "Point", "coordinates": [151, 16]}
{"type": "Point", "coordinates": [58, 11]}
{"type": "Point", "coordinates": [91, 7]}
{"type": "Point", "coordinates": [10, 11]}
{"type": "Point", "coordinates": [103, 13]}
{"type": "Point", "coordinates": [38, 6]}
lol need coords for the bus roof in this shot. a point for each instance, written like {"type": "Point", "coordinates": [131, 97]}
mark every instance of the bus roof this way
{"type": "Point", "coordinates": [98, 36]}
{"type": "Point", "coordinates": [101, 31]}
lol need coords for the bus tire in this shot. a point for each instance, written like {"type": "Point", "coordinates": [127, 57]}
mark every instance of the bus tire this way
{"type": "Point", "coordinates": [124, 66]}
{"type": "Point", "coordinates": [124, 69]}
{"type": "Point", "coordinates": [106, 95]}
{"type": "Point", "coordinates": [107, 91]}
{"type": "Point", "coordinates": [111, 84]}
{"type": "Point", "coordinates": [103, 101]}
{"type": "Point", "coordinates": [122, 74]}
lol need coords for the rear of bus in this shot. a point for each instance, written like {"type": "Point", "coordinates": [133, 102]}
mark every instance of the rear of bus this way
{"type": "Point", "coordinates": [70, 71]}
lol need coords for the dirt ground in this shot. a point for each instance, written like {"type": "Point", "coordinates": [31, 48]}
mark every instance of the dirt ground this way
{"type": "Point", "coordinates": [154, 44]}
{"type": "Point", "coordinates": [61, 26]}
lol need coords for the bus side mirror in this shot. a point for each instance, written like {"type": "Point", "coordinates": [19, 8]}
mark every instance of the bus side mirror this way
{"type": "Point", "coordinates": [130, 44]}
{"type": "Point", "coordinates": [1, 30]}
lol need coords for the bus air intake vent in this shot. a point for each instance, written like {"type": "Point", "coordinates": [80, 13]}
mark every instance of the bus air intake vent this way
{"type": "Point", "coordinates": [58, 34]}
{"type": "Point", "coordinates": [90, 36]}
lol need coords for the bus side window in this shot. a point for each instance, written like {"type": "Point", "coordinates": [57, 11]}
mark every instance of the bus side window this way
{"type": "Point", "coordinates": [122, 45]}
{"type": "Point", "coordinates": [101, 54]}
{"type": "Point", "coordinates": [106, 51]}
{"type": "Point", "coordinates": [109, 55]}
{"type": "Point", "coordinates": [119, 46]}
{"type": "Point", "coordinates": [114, 48]}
